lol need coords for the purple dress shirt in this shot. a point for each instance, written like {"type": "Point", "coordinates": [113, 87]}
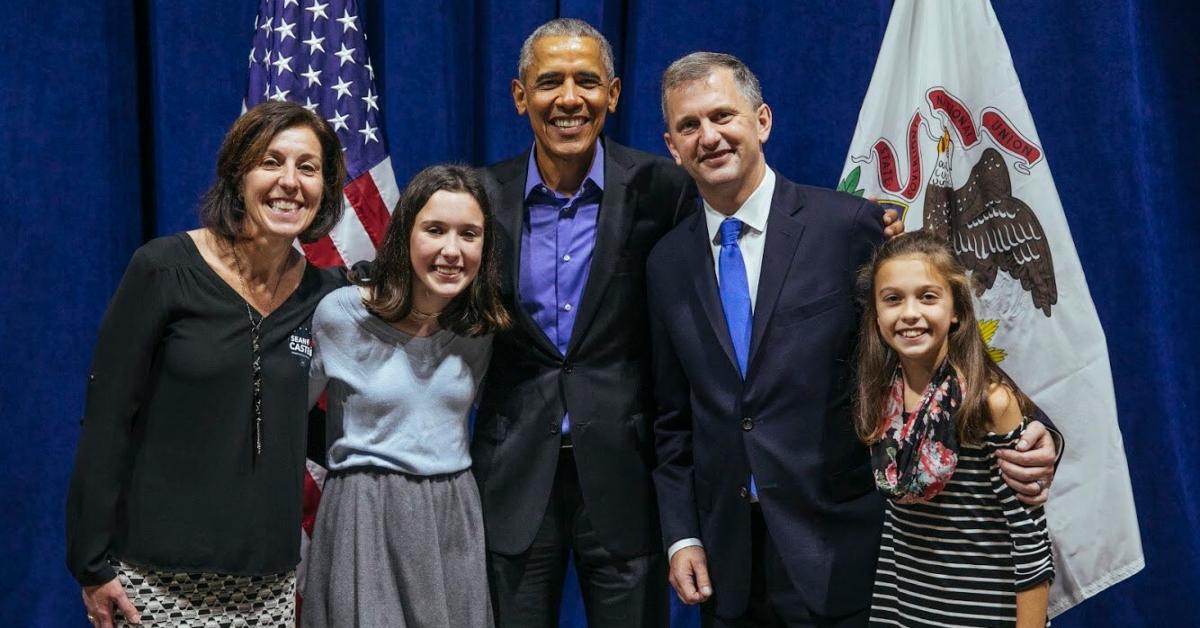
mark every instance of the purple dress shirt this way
{"type": "Point", "coordinates": [556, 250]}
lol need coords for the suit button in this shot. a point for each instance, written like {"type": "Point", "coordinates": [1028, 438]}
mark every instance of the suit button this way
{"type": "Point", "coordinates": [568, 368]}
{"type": "Point", "coordinates": [743, 492]}
{"type": "Point", "coordinates": [747, 424]}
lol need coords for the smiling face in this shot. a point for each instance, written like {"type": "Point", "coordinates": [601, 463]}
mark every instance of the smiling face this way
{"type": "Point", "coordinates": [914, 310]}
{"type": "Point", "coordinates": [283, 191]}
{"type": "Point", "coordinates": [716, 134]}
{"type": "Point", "coordinates": [566, 92]}
{"type": "Point", "coordinates": [446, 247]}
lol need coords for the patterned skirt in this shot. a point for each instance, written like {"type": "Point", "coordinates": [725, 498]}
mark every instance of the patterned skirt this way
{"type": "Point", "coordinates": [209, 600]}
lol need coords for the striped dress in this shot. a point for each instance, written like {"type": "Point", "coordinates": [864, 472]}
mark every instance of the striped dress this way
{"type": "Point", "coordinates": [959, 559]}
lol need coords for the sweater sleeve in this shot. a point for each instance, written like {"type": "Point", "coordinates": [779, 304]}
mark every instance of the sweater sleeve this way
{"type": "Point", "coordinates": [317, 379]}
{"type": "Point", "coordinates": [324, 324]}
{"type": "Point", "coordinates": [1031, 550]}
{"type": "Point", "coordinates": [117, 383]}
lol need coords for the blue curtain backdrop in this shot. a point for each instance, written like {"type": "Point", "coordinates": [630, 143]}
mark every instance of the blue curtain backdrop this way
{"type": "Point", "coordinates": [111, 115]}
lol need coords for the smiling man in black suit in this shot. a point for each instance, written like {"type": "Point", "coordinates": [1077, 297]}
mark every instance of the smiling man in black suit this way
{"type": "Point", "coordinates": [562, 447]}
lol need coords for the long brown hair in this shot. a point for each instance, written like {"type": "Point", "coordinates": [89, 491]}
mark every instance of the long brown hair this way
{"type": "Point", "coordinates": [477, 310]}
{"type": "Point", "coordinates": [222, 209]}
{"type": "Point", "coordinates": [877, 362]}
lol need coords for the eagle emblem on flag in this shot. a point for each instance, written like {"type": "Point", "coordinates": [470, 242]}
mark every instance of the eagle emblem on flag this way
{"type": "Point", "coordinates": [989, 229]}
{"type": "Point", "coordinates": [987, 226]}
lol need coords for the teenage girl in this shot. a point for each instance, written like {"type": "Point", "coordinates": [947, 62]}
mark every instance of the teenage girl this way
{"type": "Point", "coordinates": [958, 548]}
{"type": "Point", "coordinates": [398, 539]}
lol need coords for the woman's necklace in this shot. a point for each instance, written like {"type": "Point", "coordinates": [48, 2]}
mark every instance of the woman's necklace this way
{"type": "Point", "coordinates": [418, 315]}
{"type": "Point", "coordinates": [415, 320]}
{"type": "Point", "coordinates": [237, 265]}
{"type": "Point", "coordinates": [256, 344]}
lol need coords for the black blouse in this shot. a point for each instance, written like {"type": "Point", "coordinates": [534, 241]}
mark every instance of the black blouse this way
{"type": "Point", "coordinates": [166, 476]}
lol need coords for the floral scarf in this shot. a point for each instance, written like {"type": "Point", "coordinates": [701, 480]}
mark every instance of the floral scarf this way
{"type": "Point", "coordinates": [916, 455]}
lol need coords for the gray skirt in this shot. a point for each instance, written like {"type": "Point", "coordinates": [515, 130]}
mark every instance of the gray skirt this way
{"type": "Point", "coordinates": [390, 549]}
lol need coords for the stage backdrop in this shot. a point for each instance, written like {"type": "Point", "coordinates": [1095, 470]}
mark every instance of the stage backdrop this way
{"type": "Point", "coordinates": [111, 115]}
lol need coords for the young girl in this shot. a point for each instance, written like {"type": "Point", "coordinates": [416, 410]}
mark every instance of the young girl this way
{"type": "Point", "coordinates": [958, 549]}
{"type": "Point", "coordinates": [398, 539]}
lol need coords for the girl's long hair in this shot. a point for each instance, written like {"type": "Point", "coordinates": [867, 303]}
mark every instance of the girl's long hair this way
{"type": "Point", "coordinates": [877, 362]}
{"type": "Point", "coordinates": [477, 310]}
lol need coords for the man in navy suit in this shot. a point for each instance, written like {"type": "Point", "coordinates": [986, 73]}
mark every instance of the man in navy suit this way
{"type": "Point", "coordinates": [767, 504]}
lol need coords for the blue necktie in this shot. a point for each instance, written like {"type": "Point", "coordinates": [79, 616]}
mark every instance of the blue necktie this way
{"type": "Point", "coordinates": [735, 291]}
{"type": "Point", "coordinates": [735, 298]}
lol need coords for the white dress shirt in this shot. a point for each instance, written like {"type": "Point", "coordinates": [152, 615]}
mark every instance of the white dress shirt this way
{"type": "Point", "coordinates": [753, 213]}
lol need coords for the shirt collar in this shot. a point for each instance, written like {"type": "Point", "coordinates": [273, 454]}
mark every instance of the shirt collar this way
{"type": "Point", "coordinates": [753, 213]}
{"type": "Point", "coordinates": [533, 177]}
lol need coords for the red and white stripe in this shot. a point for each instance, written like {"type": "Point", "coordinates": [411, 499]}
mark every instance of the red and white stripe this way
{"type": "Point", "coordinates": [368, 201]}
{"type": "Point", "coordinates": [314, 482]}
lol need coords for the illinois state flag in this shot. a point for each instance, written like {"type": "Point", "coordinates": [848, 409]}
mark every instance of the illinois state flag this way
{"type": "Point", "coordinates": [945, 136]}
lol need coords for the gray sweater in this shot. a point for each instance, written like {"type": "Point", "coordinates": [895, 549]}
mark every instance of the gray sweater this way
{"type": "Point", "coordinates": [395, 401]}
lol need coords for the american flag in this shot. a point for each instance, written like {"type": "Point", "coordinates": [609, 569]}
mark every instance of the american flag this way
{"type": "Point", "coordinates": [315, 53]}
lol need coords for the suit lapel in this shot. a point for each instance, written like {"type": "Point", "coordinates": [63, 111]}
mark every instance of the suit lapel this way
{"type": "Point", "coordinates": [704, 281]}
{"type": "Point", "coordinates": [511, 216]}
{"type": "Point", "coordinates": [613, 223]}
{"type": "Point", "coordinates": [784, 229]}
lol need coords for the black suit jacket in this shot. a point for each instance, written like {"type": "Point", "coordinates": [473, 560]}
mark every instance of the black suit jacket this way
{"type": "Point", "coordinates": [603, 380]}
{"type": "Point", "coordinates": [790, 420]}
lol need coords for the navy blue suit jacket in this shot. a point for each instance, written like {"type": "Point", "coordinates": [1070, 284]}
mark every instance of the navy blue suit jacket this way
{"type": "Point", "coordinates": [790, 420]}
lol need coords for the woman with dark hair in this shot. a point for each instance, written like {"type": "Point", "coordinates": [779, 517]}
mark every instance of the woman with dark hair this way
{"type": "Point", "coordinates": [187, 488]}
{"type": "Point", "coordinates": [399, 535]}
